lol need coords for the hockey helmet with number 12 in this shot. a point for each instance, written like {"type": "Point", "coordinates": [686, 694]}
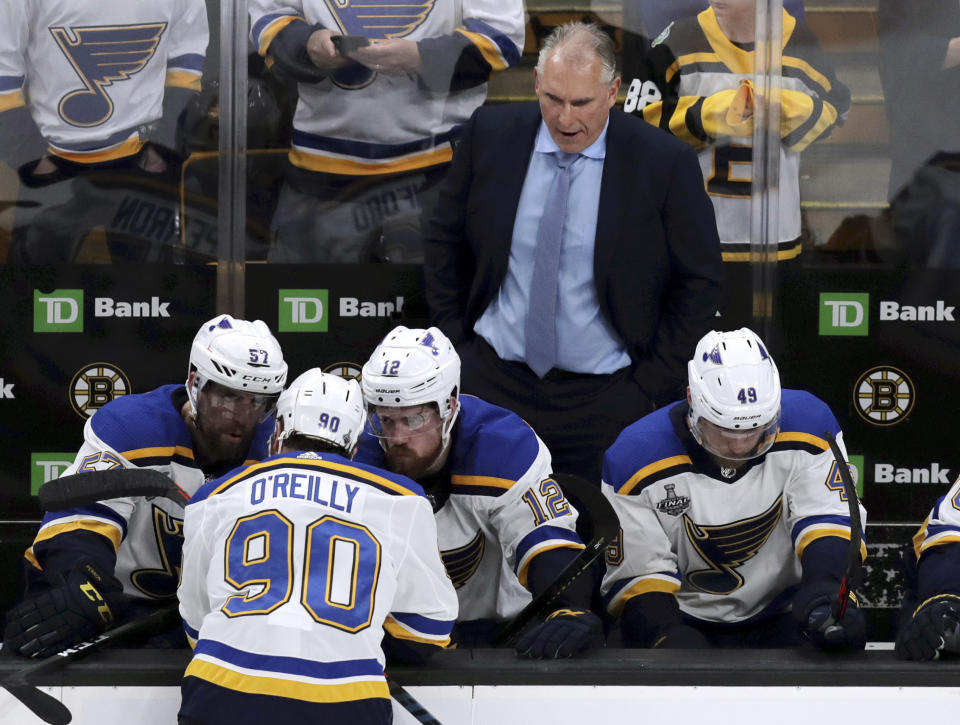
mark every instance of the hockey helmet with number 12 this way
{"type": "Point", "coordinates": [239, 355]}
{"type": "Point", "coordinates": [735, 386]}
{"type": "Point", "coordinates": [321, 406]}
{"type": "Point", "coordinates": [413, 367]}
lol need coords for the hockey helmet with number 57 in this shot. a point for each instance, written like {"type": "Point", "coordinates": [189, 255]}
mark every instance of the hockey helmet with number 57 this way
{"type": "Point", "coordinates": [237, 354]}
{"type": "Point", "coordinates": [734, 395]}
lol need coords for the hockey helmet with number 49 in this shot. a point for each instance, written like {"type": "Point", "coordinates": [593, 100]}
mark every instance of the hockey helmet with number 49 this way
{"type": "Point", "coordinates": [413, 367]}
{"type": "Point", "coordinates": [734, 386]}
{"type": "Point", "coordinates": [240, 355]}
{"type": "Point", "coordinates": [321, 406]}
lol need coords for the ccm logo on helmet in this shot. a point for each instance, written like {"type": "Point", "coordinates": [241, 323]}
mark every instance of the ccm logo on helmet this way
{"type": "Point", "coordinates": [256, 379]}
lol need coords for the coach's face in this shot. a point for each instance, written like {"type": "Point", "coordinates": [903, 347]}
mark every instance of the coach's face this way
{"type": "Point", "coordinates": [574, 100]}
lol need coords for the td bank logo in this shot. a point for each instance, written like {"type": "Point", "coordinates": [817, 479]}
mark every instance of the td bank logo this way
{"type": "Point", "coordinates": [46, 467]}
{"type": "Point", "coordinates": [844, 313]}
{"type": "Point", "coordinates": [58, 311]}
{"type": "Point", "coordinates": [303, 310]}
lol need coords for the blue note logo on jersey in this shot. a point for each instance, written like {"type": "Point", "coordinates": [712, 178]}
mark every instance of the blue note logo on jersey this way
{"type": "Point", "coordinates": [727, 546]}
{"type": "Point", "coordinates": [375, 20]}
{"type": "Point", "coordinates": [462, 562]}
{"type": "Point", "coordinates": [102, 56]}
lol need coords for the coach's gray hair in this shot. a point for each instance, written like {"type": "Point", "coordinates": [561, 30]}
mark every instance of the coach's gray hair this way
{"type": "Point", "coordinates": [577, 41]}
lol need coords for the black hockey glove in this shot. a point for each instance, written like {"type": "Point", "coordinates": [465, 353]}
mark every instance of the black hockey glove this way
{"type": "Point", "coordinates": [85, 602]}
{"type": "Point", "coordinates": [288, 49]}
{"type": "Point", "coordinates": [564, 633]}
{"type": "Point", "coordinates": [812, 610]}
{"type": "Point", "coordinates": [934, 628]}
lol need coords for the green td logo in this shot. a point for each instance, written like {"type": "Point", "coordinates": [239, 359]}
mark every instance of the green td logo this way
{"type": "Point", "coordinates": [303, 310]}
{"type": "Point", "coordinates": [844, 313]}
{"type": "Point", "coordinates": [46, 467]}
{"type": "Point", "coordinates": [58, 311]}
{"type": "Point", "coordinates": [856, 462]}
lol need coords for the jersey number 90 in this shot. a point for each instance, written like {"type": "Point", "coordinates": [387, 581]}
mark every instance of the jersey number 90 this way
{"type": "Point", "coordinates": [338, 576]}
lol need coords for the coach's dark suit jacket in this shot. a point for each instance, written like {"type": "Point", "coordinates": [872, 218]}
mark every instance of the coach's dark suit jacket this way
{"type": "Point", "coordinates": [657, 260]}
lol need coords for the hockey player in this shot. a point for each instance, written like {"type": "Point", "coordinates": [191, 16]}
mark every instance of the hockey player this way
{"type": "Point", "coordinates": [383, 92]}
{"type": "Point", "coordinates": [293, 568]}
{"type": "Point", "coordinates": [87, 564]}
{"type": "Point", "coordinates": [930, 614]}
{"type": "Point", "coordinates": [504, 526]}
{"type": "Point", "coordinates": [103, 81]}
{"type": "Point", "coordinates": [732, 512]}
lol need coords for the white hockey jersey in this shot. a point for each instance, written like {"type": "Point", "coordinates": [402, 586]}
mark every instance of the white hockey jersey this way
{"type": "Point", "coordinates": [358, 122]}
{"type": "Point", "coordinates": [689, 83]}
{"type": "Point", "coordinates": [292, 569]}
{"type": "Point", "coordinates": [729, 548]}
{"type": "Point", "coordinates": [146, 431]}
{"type": "Point", "coordinates": [92, 72]}
{"type": "Point", "coordinates": [504, 509]}
{"type": "Point", "coordinates": [942, 526]}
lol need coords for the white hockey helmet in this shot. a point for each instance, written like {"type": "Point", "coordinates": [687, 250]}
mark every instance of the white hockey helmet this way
{"type": "Point", "coordinates": [321, 406]}
{"type": "Point", "coordinates": [413, 367]}
{"type": "Point", "coordinates": [237, 354]}
{"type": "Point", "coordinates": [735, 386]}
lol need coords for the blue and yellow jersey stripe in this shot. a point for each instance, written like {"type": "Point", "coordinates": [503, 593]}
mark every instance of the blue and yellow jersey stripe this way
{"type": "Point", "coordinates": [265, 30]}
{"type": "Point", "coordinates": [348, 157]}
{"type": "Point", "coordinates": [417, 628]}
{"type": "Point", "coordinates": [624, 590]}
{"type": "Point", "coordinates": [811, 528]}
{"type": "Point", "coordinates": [291, 677]}
{"type": "Point", "coordinates": [11, 92]}
{"type": "Point", "coordinates": [496, 48]}
{"type": "Point", "coordinates": [97, 519]}
{"type": "Point", "coordinates": [541, 539]}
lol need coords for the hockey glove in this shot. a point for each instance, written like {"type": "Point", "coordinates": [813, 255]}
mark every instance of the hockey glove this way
{"type": "Point", "coordinates": [812, 609]}
{"type": "Point", "coordinates": [85, 602]}
{"type": "Point", "coordinates": [288, 50]}
{"type": "Point", "coordinates": [934, 628]}
{"type": "Point", "coordinates": [564, 633]}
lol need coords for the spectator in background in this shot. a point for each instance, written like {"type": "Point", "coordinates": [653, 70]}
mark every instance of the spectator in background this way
{"type": "Point", "coordinates": [381, 104]}
{"type": "Point", "coordinates": [695, 80]}
{"type": "Point", "coordinates": [650, 17]}
{"type": "Point", "coordinates": [108, 119]}
{"type": "Point", "coordinates": [920, 72]}
{"type": "Point", "coordinates": [584, 346]}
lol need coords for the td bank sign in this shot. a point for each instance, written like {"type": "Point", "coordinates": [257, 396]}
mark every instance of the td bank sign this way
{"type": "Point", "coordinates": [309, 310]}
{"type": "Point", "coordinates": [848, 313]}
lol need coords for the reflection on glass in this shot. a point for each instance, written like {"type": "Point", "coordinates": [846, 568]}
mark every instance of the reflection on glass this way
{"type": "Point", "coordinates": [100, 84]}
{"type": "Point", "coordinates": [382, 94]}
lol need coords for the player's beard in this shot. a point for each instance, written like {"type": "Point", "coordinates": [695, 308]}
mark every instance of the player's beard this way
{"type": "Point", "coordinates": [224, 443]}
{"type": "Point", "coordinates": [407, 462]}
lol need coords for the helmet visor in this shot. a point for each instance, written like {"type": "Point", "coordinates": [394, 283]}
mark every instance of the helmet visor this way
{"type": "Point", "coordinates": [228, 403]}
{"type": "Point", "coordinates": [736, 445]}
{"type": "Point", "coordinates": [399, 423]}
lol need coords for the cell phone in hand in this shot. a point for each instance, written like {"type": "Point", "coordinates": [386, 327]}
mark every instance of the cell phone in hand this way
{"type": "Point", "coordinates": [346, 44]}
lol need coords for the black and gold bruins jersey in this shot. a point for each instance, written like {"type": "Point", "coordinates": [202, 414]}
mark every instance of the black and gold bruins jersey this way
{"type": "Point", "coordinates": [698, 85]}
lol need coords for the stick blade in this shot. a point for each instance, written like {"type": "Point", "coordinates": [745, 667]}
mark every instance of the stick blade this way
{"type": "Point", "coordinates": [44, 706]}
{"type": "Point", "coordinates": [84, 489]}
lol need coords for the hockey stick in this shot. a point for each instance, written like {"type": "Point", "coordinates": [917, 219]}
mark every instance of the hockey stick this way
{"type": "Point", "coordinates": [48, 708]}
{"type": "Point", "coordinates": [606, 526]}
{"type": "Point", "coordinates": [854, 562]}
{"type": "Point", "coordinates": [83, 489]}
{"type": "Point", "coordinates": [410, 703]}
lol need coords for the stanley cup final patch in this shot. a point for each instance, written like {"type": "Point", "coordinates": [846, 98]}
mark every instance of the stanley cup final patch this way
{"type": "Point", "coordinates": [673, 505]}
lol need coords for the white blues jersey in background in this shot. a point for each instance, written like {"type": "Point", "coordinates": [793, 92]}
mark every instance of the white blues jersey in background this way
{"type": "Point", "coordinates": [686, 82]}
{"type": "Point", "coordinates": [134, 431]}
{"type": "Point", "coordinates": [359, 122]}
{"type": "Point", "coordinates": [504, 508]}
{"type": "Point", "coordinates": [293, 567]}
{"type": "Point", "coordinates": [942, 526]}
{"type": "Point", "coordinates": [93, 71]}
{"type": "Point", "coordinates": [728, 546]}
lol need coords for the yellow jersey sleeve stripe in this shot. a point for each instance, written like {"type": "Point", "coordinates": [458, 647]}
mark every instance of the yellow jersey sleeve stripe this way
{"type": "Point", "coordinates": [14, 99]}
{"type": "Point", "coordinates": [796, 437]}
{"type": "Point", "coordinates": [400, 632]}
{"type": "Point", "coordinates": [525, 566]}
{"type": "Point", "coordinates": [271, 32]}
{"type": "Point", "coordinates": [652, 468]}
{"type": "Point", "coordinates": [940, 541]}
{"type": "Point", "coordinates": [644, 586]}
{"type": "Point", "coordinates": [488, 49]}
{"type": "Point", "coordinates": [352, 167]}
{"type": "Point", "coordinates": [183, 79]}
{"type": "Point", "coordinates": [158, 452]}
{"type": "Point", "coordinates": [108, 531]}
{"type": "Point", "coordinates": [294, 689]}
{"type": "Point", "coordinates": [840, 532]}
{"type": "Point", "coordinates": [128, 148]}
{"type": "Point", "coordinates": [781, 255]}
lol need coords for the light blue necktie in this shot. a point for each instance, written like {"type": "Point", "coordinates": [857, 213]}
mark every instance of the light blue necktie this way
{"type": "Point", "coordinates": [540, 329]}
